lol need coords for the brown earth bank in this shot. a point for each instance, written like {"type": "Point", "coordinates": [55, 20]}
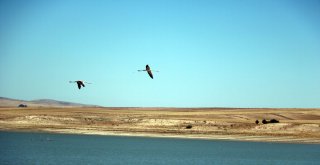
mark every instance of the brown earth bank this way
{"type": "Point", "coordinates": [296, 125]}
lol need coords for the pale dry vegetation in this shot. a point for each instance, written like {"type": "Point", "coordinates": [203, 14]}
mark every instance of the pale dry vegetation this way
{"type": "Point", "coordinates": [296, 125]}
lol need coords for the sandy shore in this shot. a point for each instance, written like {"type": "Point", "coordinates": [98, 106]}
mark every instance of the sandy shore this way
{"type": "Point", "coordinates": [296, 125]}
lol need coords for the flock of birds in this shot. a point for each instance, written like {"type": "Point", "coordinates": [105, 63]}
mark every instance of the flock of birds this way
{"type": "Point", "coordinates": [81, 83]}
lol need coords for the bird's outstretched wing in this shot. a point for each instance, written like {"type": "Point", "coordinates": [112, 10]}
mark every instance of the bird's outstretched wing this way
{"type": "Point", "coordinates": [147, 67]}
{"type": "Point", "coordinates": [150, 74]}
{"type": "Point", "coordinates": [79, 85]}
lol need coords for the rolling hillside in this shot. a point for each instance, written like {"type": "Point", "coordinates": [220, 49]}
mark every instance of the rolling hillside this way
{"type": "Point", "coordinates": [8, 102]}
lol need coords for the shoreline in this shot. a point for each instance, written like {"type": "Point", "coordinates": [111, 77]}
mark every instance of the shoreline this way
{"type": "Point", "coordinates": [301, 126]}
{"type": "Point", "coordinates": [236, 138]}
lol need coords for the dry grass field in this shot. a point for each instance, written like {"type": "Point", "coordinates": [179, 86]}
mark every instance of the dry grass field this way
{"type": "Point", "coordinates": [296, 125]}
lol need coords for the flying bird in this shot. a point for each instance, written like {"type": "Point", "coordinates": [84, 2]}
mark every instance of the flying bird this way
{"type": "Point", "coordinates": [149, 71]}
{"type": "Point", "coordinates": [79, 83]}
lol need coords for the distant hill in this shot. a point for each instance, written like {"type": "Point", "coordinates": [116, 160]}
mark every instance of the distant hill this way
{"type": "Point", "coordinates": [8, 102]}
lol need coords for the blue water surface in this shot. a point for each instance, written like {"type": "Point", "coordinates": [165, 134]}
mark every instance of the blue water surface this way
{"type": "Point", "coordinates": [45, 148]}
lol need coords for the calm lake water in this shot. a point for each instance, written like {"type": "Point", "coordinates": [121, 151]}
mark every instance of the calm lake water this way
{"type": "Point", "coordinates": [43, 148]}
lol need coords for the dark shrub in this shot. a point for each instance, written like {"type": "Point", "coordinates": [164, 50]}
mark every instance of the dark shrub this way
{"type": "Point", "coordinates": [189, 126]}
{"type": "Point", "coordinates": [257, 121]}
{"type": "Point", "coordinates": [22, 105]}
{"type": "Point", "coordinates": [264, 121]}
{"type": "Point", "coordinates": [274, 121]}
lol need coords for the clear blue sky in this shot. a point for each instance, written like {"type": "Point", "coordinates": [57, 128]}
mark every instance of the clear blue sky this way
{"type": "Point", "coordinates": [211, 53]}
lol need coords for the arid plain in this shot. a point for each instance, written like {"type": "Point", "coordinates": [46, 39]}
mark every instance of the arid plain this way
{"type": "Point", "coordinates": [296, 125]}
